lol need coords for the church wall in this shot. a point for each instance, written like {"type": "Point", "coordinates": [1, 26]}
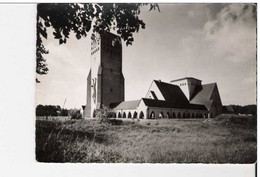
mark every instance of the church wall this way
{"type": "Point", "coordinates": [112, 80]}
{"type": "Point", "coordinates": [188, 86]}
{"type": "Point", "coordinates": [216, 107]}
{"type": "Point", "coordinates": [95, 68]}
{"type": "Point", "coordinates": [141, 108]}
{"type": "Point", "coordinates": [192, 84]}
{"type": "Point", "coordinates": [87, 110]}
{"type": "Point", "coordinates": [173, 113]}
{"type": "Point", "coordinates": [162, 112]}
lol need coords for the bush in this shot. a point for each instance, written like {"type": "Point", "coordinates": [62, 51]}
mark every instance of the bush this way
{"type": "Point", "coordinates": [75, 114]}
{"type": "Point", "coordinates": [104, 113]}
{"type": "Point", "coordinates": [64, 112]}
{"type": "Point", "coordinates": [47, 110]}
{"type": "Point", "coordinates": [228, 119]}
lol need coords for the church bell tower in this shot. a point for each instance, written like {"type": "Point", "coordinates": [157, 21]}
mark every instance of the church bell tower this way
{"type": "Point", "coordinates": [105, 82]}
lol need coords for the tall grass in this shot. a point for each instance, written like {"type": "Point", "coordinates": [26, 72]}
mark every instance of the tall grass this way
{"type": "Point", "coordinates": [164, 141]}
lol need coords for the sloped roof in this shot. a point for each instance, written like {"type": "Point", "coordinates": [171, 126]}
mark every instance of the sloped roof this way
{"type": "Point", "coordinates": [126, 105]}
{"type": "Point", "coordinates": [166, 104]}
{"type": "Point", "coordinates": [204, 95]}
{"type": "Point", "coordinates": [157, 103]}
{"type": "Point", "coordinates": [172, 93]}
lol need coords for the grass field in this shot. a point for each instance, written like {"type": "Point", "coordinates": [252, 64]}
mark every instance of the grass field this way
{"type": "Point", "coordinates": [146, 141]}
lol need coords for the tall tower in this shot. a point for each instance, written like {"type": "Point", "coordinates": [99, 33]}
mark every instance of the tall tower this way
{"type": "Point", "coordinates": [105, 82]}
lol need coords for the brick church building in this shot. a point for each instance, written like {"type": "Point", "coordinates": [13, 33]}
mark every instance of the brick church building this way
{"type": "Point", "coordinates": [182, 98]}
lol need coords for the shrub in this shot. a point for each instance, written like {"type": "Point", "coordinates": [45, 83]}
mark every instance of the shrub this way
{"type": "Point", "coordinates": [64, 112]}
{"type": "Point", "coordinates": [104, 113]}
{"type": "Point", "coordinates": [75, 114]}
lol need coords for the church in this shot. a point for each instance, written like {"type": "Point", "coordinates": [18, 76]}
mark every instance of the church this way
{"type": "Point", "coordinates": [180, 98]}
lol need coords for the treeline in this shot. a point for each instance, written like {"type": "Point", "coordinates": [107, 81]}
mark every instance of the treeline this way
{"type": "Point", "coordinates": [51, 110]}
{"type": "Point", "coordinates": [248, 109]}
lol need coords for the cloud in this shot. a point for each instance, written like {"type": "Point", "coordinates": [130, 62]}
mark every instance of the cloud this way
{"type": "Point", "coordinates": [233, 32]}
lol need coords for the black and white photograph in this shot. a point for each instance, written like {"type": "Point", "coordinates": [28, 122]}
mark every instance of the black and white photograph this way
{"type": "Point", "coordinates": [167, 83]}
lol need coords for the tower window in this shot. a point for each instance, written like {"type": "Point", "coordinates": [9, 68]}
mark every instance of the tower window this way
{"type": "Point", "coordinates": [111, 90]}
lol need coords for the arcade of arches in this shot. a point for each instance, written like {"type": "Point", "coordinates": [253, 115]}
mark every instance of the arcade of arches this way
{"type": "Point", "coordinates": [161, 115]}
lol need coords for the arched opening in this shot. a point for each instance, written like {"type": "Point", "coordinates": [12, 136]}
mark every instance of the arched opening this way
{"type": "Point", "coordinates": [197, 115]}
{"type": "Point", "coordinates": [124, 115]}
{"type": "Point", "coordinates": [168, 115]}
{"type": "Point", "coordinates": [94, 113]}
{"type": "Point", "coordinates": [200, 115]}
{"type": "Point", "coordinates": [135, 115]}
{"type": "Point", "coordinates": [129, 115]}
{"type": "Point", "coordinates": [152, 115]}
{"type": "Point", "coordinates": [193, 115]}
{"type": "Point", "coordinates": [179, 115]}
{"type": "Point", "coordinates": [161, 115]}
{"type": "Point", "coordinates": [206, 115]}
{"type": "Point", "coordinates": [113, 115]}
{"type": "Point", "coordinates": [183, 115]}
{"type": "Point", "coordinates": [119, 115]}
{"type": "Point", "coordinates": [211, 115]}
{"type": "Point", "coordinates": [188, 115]}
{"type": "Point", "coordinates": [141, 115]}
{"type": "Point", "coordinates": [173, 115]}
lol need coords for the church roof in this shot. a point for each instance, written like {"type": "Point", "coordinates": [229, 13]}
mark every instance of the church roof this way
{"type": "Point", "coordinates": [204, 95]}
{"type": "Point", "coordinates": [166, 104]}
{"type": "Point", "coordinates": [126, 105]}
{"type": "Point", "coordinates": [172, 93]}
{"type": "Point", "coordinates": [174, 98]}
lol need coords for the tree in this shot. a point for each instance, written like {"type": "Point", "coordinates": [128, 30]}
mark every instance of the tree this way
{"type": "Point", "coordinates": [81, 18]}
{"type": "Point", "coordinates": [47, 110]}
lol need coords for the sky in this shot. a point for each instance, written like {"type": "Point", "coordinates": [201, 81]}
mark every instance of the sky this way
{"type": "Point", "coordinates": [211, 42]}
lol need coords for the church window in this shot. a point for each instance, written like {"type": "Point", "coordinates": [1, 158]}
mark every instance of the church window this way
{"type": "Point", "coordinates": [141, 115]}
{"type": "Point", "coordinates": [152, 115]}
{"type": "Point", "coordinates": [135, 115]}
{"type": "Point", "coordinates": [168, 115]}
{"type": "Point", "coordinates": [161, 115]}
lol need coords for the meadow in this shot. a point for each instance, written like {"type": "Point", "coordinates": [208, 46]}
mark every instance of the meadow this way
{"type": "Point", "coordinates": [219, 140]}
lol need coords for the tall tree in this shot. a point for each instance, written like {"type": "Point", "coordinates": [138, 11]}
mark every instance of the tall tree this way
{"type": "Point", "coordinates": [81, 18]}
